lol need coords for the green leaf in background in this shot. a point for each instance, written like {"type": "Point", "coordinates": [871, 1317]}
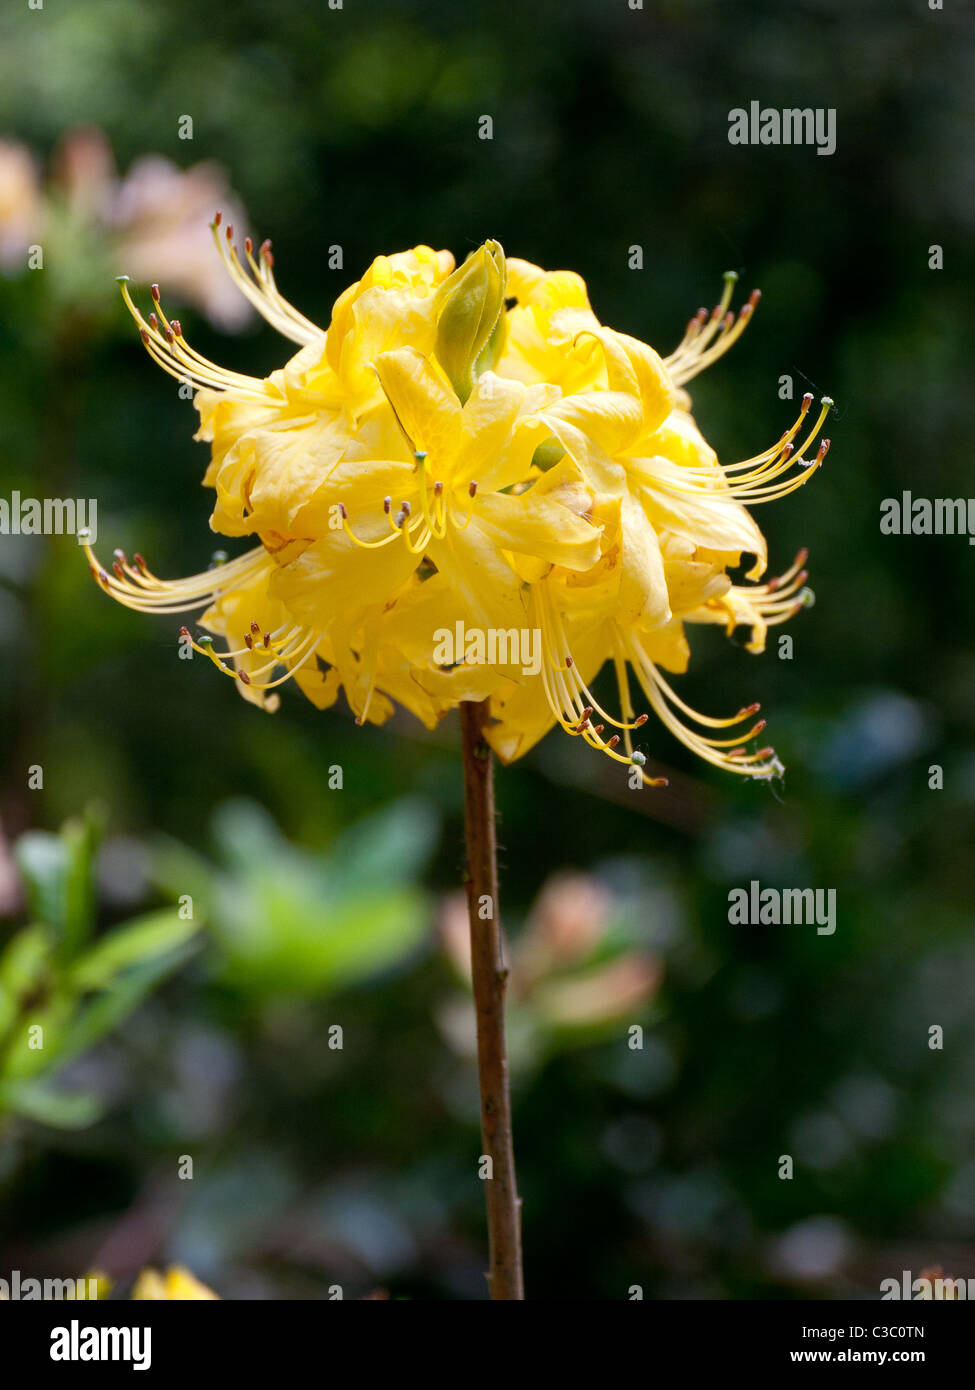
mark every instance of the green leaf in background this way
{"type": "Point", "coordinates": [58, 1109]}
{"type": "Point", "coordinates": [306, 922]}
{"type": "Point", "coordinates": [278, 939]}
{"type": "Point", "coordinates": [59, 875]}
{"type": "Point", "coordinates": [40, 858]}
{"type": "Point", "coordinates": [112, 1005]}
{"type": "Point", "coordinates": [46, 972]}
{"type": "Point", "coordinates": [390, 847]}
{"type": "Point", "coordinates": [245, 836]}
{"type": "Point", "coordinates": [140, 941]}
{"type": "Point", "coordinates": [81, 839]}
{"type": "Point", "coordinates": [35, 1044]}
{"type": "Point", "coordinates": [23, 966]}
{"type": "Point", "coordinates": [177, 870]}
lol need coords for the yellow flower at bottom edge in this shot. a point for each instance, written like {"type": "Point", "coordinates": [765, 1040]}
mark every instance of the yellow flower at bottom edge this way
{"type": "Point", "coordinates": [177, 1284]}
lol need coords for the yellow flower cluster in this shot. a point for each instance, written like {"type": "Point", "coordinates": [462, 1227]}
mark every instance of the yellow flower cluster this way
{"type": "Point", "coordinates": [470, 451]}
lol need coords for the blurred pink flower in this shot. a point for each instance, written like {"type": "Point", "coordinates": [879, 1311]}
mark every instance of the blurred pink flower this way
{"type": "Point", "coordinates": [557, 976]}
{"type": "Point", "coordinates": [155, 221]}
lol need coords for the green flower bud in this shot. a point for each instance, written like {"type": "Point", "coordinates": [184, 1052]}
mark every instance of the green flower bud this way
{"type": "Point", "coordinates": [471, 308]}
{"type": "Point", "coordinates": [548, 454]}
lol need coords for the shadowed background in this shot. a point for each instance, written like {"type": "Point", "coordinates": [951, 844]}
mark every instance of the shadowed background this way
{"type": "Point", "coordinates": [655, 1167]}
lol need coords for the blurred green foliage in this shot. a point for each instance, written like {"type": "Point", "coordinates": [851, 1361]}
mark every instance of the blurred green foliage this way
{"type": "Point", "coordinates": [656, 1166]}
{"type": "Point", "coordinates": [292, 922]}
{"type": "Point", "coordinates": [60, 991]}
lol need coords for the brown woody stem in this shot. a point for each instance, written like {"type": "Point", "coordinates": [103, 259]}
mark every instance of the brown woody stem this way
{"type": "Point", "coordinates": [505, 1278]}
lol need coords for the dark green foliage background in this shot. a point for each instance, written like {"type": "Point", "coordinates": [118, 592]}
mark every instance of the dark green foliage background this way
{"type": "Point", "coordinates": [358, 127]}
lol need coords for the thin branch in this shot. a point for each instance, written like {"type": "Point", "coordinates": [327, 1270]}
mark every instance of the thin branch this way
{"type": "Point", "coordinates": [505, 1278]}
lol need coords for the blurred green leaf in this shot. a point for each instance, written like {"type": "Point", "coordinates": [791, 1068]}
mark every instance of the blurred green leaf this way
{"type": "Point", "coordinates": [176, 869]}
{"type": "Point", "coordinates": [59, 873]}
{"type": "Point", "coordinates": [128, 945]}
{"type": "Point", "coordinates": [36, 1043]}
{"type": "Point", "coordinates": [280, 940]}
{"type": "Point", "coordinates": [22, 967]}
{"type": "Point", "coordinates": [390, 847]}
{"type": "Point", "coordinates": [297, 921]}
{"type": "Point", "coordinates": [58, 1109]}
{"type": "Point", "coordinates": [41, 858]}
{"type": "Point", "coordinates": [106, 1010]}
{"type": "Point", "coordinates": [246, 836]}
{"type": "Point", "coordinates": [81, 839]}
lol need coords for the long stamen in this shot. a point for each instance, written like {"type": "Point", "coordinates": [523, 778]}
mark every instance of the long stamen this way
{"type": "Point", "coordinates": [574, 682]}
{"type": "Point", "coordinates": [724, 753]}
{"type": "Point", "coordinates": [562, 686]}
{"type": "Point", "coordinates": [421, 463]}
{"type": "Point", "coordinates": [707, 339]}
{"type": "Point", "coordinates": [707, 325]}
{"type": "Point", "coordinates": [261, 290]}
{"type": "Point", "coordinates": [170, 350]}
{"type": "Point", "coordinates": [292, 650]}
{"type": "Point", "coordinates": [761, 606]}
{"type": "Point", "coordinates": [415, 532]}
{"type": "Point", "coordinates": [366, 545]}
{"type": "Point", "coordinates": [762, 484]}
{"type": "Point", "coordinates": [463, 525]}
{"type": "Point", "coordinates": [141, 590]}
{"type": "Point", "coordinates": [778, 584]}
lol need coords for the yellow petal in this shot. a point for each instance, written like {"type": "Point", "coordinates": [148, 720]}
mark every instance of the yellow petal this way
{"type": "Point", "coordinates": [547, 520]}
{"type": "Point", "coordinates": [425, 405]}
{"type": "Point", "coordinates": [611, 419]}
{"type": "Point", "coordinates": [487, 589]}
{"type": "Point", "coordinates": [335, 578]}
{"type": "Point", "coordinates": [643, 594]}
{"type": "Point", "coordinates": [273, 475]}
{"type": "Point", "coordinates": [708, 516]}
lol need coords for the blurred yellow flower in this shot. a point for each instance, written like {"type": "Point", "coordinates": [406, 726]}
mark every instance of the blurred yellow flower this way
{"type": "Point", "coordinates": [471, 450]}
{"type": "Point", "coordinates": [176, 1284]}
{"type": "Point", "coordinates": [20, 203]}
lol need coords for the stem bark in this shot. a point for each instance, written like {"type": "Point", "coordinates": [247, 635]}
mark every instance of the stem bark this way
{"type": "Point", "coordinates": [505, 1276]}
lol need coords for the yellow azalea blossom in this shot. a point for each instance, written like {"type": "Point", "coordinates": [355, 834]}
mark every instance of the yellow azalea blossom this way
{"type": "Point", "coordinates": [177, 1284]}
{"type": "Point", "coordinates": [473, 449]}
